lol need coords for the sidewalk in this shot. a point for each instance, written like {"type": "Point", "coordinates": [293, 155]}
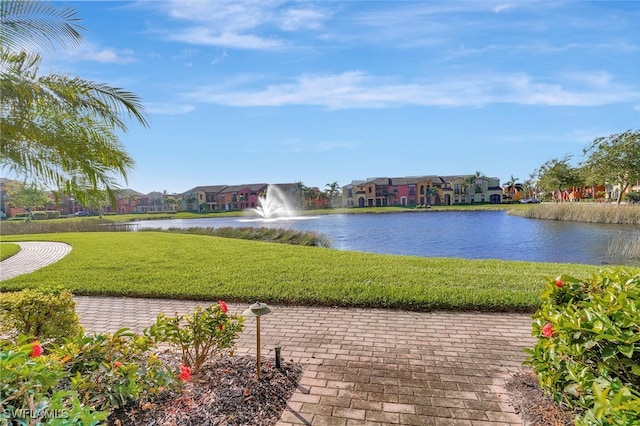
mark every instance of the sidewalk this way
{"type": "Point", "coordinates": [369, 367]}
{"type": "Point", "coordinates": [32, 256]}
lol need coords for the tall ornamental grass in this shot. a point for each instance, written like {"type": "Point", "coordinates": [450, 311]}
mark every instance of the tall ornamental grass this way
{"type": "Point", "coordinates": [60, 225]}
{"type": "Point", "coordinates": [272, 235]}
{"type": "Point", "coordinates": [584, 212]}
{"type": "Point", "coordinates": [626, 245]}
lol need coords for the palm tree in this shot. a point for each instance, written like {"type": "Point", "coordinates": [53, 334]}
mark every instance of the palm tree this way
{"type": "Point", "coordinates": [431, 191]}
{"type": "Point", "coordinates": [511, 186]}
{"type": "Point", "coordinates": [469, 188]}
{"type": "Point", "coordinates": [300, 189]}
{"type": "Point", "coordinates": [57, 129]}
{"type": "Point", "coordinates": [309, 195]}
{"type": "Point", "coordinates": [332, 191]}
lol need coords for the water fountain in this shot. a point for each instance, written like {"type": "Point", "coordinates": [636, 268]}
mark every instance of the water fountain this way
{"type": "Point", "coordinates": [274, 205]}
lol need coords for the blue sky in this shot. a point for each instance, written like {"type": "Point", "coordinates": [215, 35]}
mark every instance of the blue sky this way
{"type": "Point", "coordinates": [318, 92]}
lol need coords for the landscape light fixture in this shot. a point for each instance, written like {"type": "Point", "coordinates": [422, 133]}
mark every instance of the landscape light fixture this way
{"type": "Point", "coordinates": [257, 310]}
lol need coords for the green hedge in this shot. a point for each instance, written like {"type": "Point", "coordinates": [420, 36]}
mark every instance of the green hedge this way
{"type": "Point", "coordinates": [44, 313]}
{"type": "Point", "coordinates": [588, 351]}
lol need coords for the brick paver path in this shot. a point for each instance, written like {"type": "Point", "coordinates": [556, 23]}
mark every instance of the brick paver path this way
{"type": "Point", "coordinates": [369, 367]}
{"type": "Point", "coordinates": [32, 256]}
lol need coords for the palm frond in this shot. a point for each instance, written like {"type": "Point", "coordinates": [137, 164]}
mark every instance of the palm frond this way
{"type": "Point", "coordinates": [36, 25]}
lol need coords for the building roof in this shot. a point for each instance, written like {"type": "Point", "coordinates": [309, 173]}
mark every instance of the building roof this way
{"type": "Point", "coordinates": [208, 188]}
{"type": "Point", "coordinates": [249, 186]}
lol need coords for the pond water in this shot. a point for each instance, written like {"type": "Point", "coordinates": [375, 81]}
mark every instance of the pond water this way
{"type": "Point", "coordinates": [470, 235]}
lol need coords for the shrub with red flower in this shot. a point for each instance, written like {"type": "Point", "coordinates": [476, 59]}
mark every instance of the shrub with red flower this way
{"type": "Point", "coordinates": [559, 283]}
{"type": "Point", "coordinates": [36, 351]}
{"type": "Point", "coordinates": [185, 373]}
{"type": "Point", "coordinates": [117, 364]}
{"type": "Point", "coordinates": [199, 335]}
{"type": "Point", "coordinates": [547, 330]}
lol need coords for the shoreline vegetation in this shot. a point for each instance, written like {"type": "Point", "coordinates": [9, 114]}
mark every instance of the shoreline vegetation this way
{"type": "Point", "coordinates": [583, 212]}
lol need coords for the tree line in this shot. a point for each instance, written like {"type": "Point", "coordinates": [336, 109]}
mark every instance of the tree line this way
{"type": "Point", "coordinates": [613, 159]}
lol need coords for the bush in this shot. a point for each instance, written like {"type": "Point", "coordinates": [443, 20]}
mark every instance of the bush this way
{"type": "Point", "coordinates": [39, 215]}
{"type": "Point", "coordinates": [53, 214]}
{"type": "Point", "coordinates": [30, 388]}
{"type": "Point", "coordinates": [588, 351]}
{"type": "Point", "coordinates": [41, 313]}
{"type": "Point", "coordinates": [200, 335]}
{"type": "Point", "coordinates": [632, 197]}
{"type": "Point", "coordinates": [112, 370]}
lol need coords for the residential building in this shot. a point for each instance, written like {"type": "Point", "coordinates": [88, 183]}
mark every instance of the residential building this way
{"type": "Point", "coordinates": [240, 197]}
{"type": "Point", "coordinates": [422, 190]}
{"type": "Point", "coordinates": [203, 198]}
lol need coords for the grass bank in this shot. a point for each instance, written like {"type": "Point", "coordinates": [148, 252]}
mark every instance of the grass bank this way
{"type": "Point", "coordinates": [7, 250]}
{"type": "Point", "coordinates": [583, 212]}
{"type": "Point", "coordinates": [166, 265]}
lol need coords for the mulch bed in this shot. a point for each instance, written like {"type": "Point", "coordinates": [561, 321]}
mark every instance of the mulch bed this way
{"type": "Point", "coordinates": [226, 392]}
{"type": "Point", "coordinates": [534, 407]}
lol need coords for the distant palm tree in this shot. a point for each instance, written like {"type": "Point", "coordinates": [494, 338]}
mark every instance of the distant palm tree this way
{"type": "Point", "coordinates": [469, 188]}
{"type": "Point", "coordinates": [309, 194]}
{"type": "Point", "coordinates": [511, 186]}
{"type": "Point", "coordinates": [431, 191]}
{"type": "Point", "coordinates": [300, 189]}
{"type": "Point", "coordinates": [333, 189]}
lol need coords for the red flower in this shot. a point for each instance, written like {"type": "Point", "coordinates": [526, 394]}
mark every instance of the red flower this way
{"type": "Point", "coordinates": [117, 364]}
{"type": "Point", "coordinates": [559, 283]}
{"type": "Point", "coordinates": [36, 351]}
{"type": "Point", "coordinates": [223, 306]}
{"type": "Point", "coordinates": [547, 330]}
{"type": "Point", "coordinates": [185, 373]}
{"type": "Point", "coordinates": [220, 327]}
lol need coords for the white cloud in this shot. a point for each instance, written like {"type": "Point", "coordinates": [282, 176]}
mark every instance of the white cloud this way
{"type": "Point", "coordinates": [168, 109]}
{"type": "Point", "coordinates": [201, 35]}
{"type": "Point", "coordinates": [240, 23]}
{"type": "Point", "coordinates": [502, 8]}
{"type": "Point", "coordinates": [92, 52]}
{"type": "Point", "coordinates": [358, 90]}
{"type": "Point", "coordinates": [301, 18]}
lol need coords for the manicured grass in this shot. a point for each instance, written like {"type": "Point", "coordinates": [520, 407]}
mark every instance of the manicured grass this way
{"type": "Point", "coordinates": [7, 250]}
{"type": "Point", "coordinates": [158, 264]}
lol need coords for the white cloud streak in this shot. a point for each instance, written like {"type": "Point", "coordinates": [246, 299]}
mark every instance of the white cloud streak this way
{"type": "Point", "coordinates": [168, 109]}
{"type": "Point", "coordinates": [106, 55]}
{"type": "Point", "coordinates": [357, 90]}
{"type": "Point", "coordinates": [204, 36]}
{"type": "Point", "coordinates": [241, 24]}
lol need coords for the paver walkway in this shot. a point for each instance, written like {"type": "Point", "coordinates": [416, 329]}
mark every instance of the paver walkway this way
{"type": "Point", "coordinates": [32, 256]}
{"type": "Point", "coordinates": [367, 366]}
{"type": "Point", "coordinates": [362, 366]}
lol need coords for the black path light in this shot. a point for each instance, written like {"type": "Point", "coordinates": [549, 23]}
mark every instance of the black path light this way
{"type": "Point", "coordinates": [257, 310]}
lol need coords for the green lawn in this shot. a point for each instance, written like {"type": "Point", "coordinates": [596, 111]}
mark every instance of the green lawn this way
{"type": "Point", "coordinates": [7, 250]}
{"type": "Point", "coordinates": [158, 264]}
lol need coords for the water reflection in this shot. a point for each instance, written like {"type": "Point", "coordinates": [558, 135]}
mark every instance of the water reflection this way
{"type": "Point", "coordinates": [471, 235]}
